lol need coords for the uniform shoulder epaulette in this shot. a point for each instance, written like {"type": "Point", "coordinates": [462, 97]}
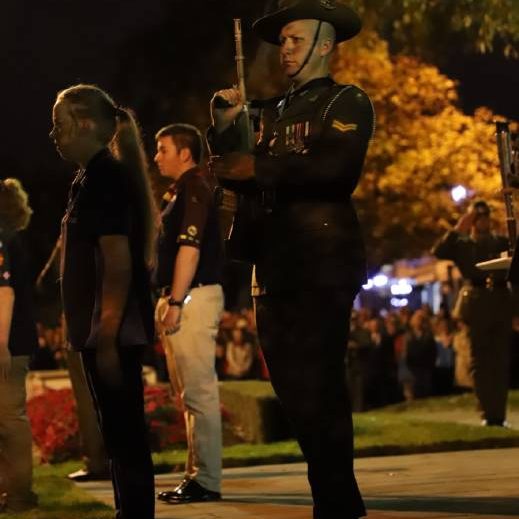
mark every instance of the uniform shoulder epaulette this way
{"type": "Point", "coordinates": [339, 90]}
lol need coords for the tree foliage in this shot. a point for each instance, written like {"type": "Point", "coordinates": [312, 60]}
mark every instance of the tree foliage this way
{"type": "Point", "coordinates": [423, 146]}
{"type": "Point", "coordinates": [429, 28]}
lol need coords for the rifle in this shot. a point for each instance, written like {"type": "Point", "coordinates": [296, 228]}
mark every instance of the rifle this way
{"type": "Point", "coordinates": [236, 210]}
{"type": "Point", "coordinates": [245, 120]}
{"type": "Point", "coordinates": [508, 162]}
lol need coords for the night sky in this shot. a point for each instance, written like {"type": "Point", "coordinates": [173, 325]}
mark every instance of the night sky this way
{"type": "Point", "coordinates": [46, 46]}
{"type": "Point", "coordinates": [135, 49]}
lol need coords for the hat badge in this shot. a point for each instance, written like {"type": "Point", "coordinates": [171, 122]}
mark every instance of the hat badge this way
{"type": "Point", "coordinates": [328, 4]}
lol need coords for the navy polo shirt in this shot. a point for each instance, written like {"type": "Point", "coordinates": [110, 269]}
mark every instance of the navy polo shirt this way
{"type": "Point", "coordinates": [14, 273]}
{"type": "Point", "coordinates": [189, 217]}
{"type": "Point", "coordinates": [100, 204]}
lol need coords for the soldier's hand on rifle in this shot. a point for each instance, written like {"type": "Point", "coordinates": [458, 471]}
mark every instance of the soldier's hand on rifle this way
{"type": "Point", "coordinates": [226, 106]}
{"type": "Point", "coordinates": [233, 166]}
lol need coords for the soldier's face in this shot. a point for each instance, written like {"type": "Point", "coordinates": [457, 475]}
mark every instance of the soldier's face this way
{"type": "Point", "coordinates": [168, 158]}
{"type": "Point", "coordinates": [296, 39]}
{"type": "Point", "coordinates": [482, 223]}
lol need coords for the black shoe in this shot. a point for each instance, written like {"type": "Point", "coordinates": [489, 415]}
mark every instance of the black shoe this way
{"type": "Point", "coordinates": [83, 475]}
{"type": "Point", "coordinates": [496, 423]}
{"type": "Point", "coordinates": [189, 491]}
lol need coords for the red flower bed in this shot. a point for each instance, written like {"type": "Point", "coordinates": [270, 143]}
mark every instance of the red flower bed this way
{"type": "Point", "coordinates": [55, 425]}
{"type": "Point", "coordinates": [165, 421]}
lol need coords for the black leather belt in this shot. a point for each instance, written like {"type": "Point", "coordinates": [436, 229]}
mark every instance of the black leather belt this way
{"type": "Point", "coordinates": [166, 291]}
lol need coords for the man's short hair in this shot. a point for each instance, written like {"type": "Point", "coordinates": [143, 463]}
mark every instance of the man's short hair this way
{"type": "Point", "coordinates": [184, 136]}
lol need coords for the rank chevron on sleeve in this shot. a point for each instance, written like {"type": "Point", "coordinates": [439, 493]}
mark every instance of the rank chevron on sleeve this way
{"type": "Point", "coordinates": [342, 127]}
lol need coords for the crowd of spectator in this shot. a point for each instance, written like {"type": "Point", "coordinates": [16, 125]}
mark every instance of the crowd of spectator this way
{"type": "Point", "coordinates": [51, 348]}
{"type": "Point", "coordinates": [238, 355]}
{"type": "Point", "coordinates": [404, 355]}
{"type": "Point", "coordinates": [391, 356]}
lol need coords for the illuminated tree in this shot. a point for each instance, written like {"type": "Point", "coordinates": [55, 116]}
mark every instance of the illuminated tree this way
{"type": "Point", "coordinates": [423, 146]}
{"type": "Point", "coordinates": [424, 143]}
{"type": "Point", "coordinates": [429, 27]}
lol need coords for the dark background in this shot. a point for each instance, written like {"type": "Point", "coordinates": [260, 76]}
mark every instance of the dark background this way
{"type": "Point", "coordinates": [163, 58]}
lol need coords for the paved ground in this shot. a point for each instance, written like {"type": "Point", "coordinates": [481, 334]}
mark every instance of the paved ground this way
{"type": "Point", "coordinates": [459, 485]}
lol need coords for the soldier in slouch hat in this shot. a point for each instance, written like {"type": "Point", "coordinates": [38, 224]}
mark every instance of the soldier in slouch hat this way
{"type": "Point", "coordinates": [484, 303]}
{"type": "Point", "coordinates": [305, 240]}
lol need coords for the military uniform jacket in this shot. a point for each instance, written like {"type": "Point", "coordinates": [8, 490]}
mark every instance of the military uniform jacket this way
{"type": "Point", "coordinates": [465, 252]}
{"type": "Point", "coordinates": [484, 296]}
{"type": "Point", "coordinates": [309, 158]}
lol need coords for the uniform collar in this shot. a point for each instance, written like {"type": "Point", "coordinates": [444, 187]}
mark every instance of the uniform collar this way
{"type": "Point", "coordinates": [190, 173]}
{"type": "Point", "coordinates": [313, 83]}
{"type": "Point", "coordinates": [319, 82]}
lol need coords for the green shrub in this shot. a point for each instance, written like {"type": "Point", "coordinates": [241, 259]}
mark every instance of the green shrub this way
{"type": "Point", "coordinates": [254, 411]}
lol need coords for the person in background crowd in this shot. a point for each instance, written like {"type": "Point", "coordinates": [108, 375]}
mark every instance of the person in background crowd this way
{"type": "Point", "coordinates": [383, 384]}
{"type": "Point", "coordinates": [463, 373]}
{"type": "Point", "coordinates": [18, 340]}
{"type": "Point", "coordinates": [485, 305]}
{"type": "Point", "coordinates": [43, 358]}
{"type": "Point", "coordinates": [357, 362]}
{"type": "Point", "coordinates": [404, 316]}
{"type": "Point", "coordinates": [396, 335]}
{"type": "Point", "coordinates": [108, 233]}
{"type": "Point", "coordinates": [239, 355]}
{"type": "Point", "coordinates": [188, 277]}
{"type": "Point", "coordinates": [443, 378]}
{"type": "Point", "coordinates": [420, 354]}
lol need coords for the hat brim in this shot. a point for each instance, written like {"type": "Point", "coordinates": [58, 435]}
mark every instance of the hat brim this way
{"type": "Point", "coordinates": [346, 22]}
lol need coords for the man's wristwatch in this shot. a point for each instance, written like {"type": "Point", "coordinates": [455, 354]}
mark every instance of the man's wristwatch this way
{"type": "Point", "coordinates": [174, 302]}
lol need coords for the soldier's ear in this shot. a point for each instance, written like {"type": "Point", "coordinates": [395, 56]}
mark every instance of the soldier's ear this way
{"type": "Point", "coordinates": [326, 47]}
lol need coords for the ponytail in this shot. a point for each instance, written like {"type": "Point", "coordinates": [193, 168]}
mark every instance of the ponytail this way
{"type": "Point", "coordinates": [128, 148]}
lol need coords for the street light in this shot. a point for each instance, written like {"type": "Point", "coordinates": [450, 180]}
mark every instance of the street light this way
{"type": "Point", "coordinates": [459, 193]}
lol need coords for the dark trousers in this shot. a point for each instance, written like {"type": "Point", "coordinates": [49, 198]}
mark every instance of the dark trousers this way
{"type": "Point", "coordinates": [490, 328]}
{"type": "Point", "coordinates": [92, 444]}
{"type": "Point", "coordinates": [303, 335]}
{"type": "Point", "coordinates": [120, 412]}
